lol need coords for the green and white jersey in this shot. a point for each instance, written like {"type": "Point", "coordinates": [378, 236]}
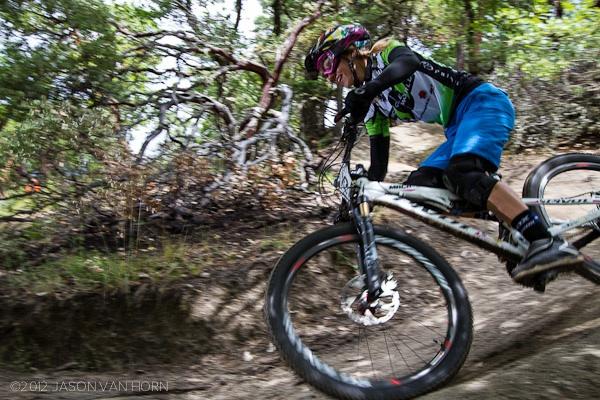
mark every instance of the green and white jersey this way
{"type": "Point", "coordinates": [430, 94]}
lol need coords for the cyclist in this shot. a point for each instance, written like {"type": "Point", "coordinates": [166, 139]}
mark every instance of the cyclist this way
{"type": "Point", "coordinates": [392, 82]}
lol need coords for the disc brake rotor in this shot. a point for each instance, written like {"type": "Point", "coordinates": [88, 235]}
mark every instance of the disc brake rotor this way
{"type": "Point", "coordinates": [354, 301]}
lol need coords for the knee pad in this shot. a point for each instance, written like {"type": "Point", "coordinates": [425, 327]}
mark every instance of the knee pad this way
{"type": "Point", "coordinates": [469, 178]}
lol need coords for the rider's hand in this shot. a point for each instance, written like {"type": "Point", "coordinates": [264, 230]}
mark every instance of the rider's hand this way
{"type": "Point", "coordinates": [359, 100]}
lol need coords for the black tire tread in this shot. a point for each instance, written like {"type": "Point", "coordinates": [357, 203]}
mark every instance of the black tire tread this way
{"type": "Point", "coordinates": [533, 180]}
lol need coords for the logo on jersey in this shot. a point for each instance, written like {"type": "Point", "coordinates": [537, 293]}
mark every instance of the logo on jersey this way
{"type": "Point", "coordinates": [441, 73]}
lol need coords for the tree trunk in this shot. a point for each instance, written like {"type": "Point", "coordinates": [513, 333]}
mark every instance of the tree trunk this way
{"type": "Point", "coordinates": [277, 10]}
{"type": "Point", "coordinates": [238, 10]}
{"type": "Point", "coordinates": [558, 9]}
{"type": "Point", "coordinates": [311, 120]}
{"type": "Point", "coordinates": [460, 56]}
{"type": "Point", "coordinates": [473, 39]}
{"type": "Point", "coordinates": [476, 52]}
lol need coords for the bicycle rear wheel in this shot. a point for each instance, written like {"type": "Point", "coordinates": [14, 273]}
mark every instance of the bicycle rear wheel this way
{"type": "Point", "coordinates": [417, 343]}
{"type": "Point", "coordinates": [575, 176]}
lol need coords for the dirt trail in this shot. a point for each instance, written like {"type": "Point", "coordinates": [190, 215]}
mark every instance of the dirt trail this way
{"type": "Point", "coordinates": [526, 345]}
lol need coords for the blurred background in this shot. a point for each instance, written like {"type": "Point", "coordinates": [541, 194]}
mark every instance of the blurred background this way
{"type": "Point", "coordinates": [158, 156]}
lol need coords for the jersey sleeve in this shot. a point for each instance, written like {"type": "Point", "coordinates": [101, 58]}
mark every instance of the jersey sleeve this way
{"type": "Point", "coordinates": [378, 125]}
{"type": "Point", "coordinates": [399, 64]}
{"type": "Point", "coordinates": [394, 46]}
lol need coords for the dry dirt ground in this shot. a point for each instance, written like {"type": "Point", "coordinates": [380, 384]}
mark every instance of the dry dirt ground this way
{"type": "Point", "coordinates": [526, 345]}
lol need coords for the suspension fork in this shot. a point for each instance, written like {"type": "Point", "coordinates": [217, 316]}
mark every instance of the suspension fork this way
{"type": "Point", "coordinates": [369, 260]}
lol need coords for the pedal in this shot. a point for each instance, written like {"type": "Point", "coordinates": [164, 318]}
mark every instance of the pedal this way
{"type": "Point", "coordinates": [540, 281]}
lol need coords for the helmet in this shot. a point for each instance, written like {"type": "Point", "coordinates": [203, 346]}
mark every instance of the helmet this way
{"type": "Point", "coordinates": [324, 55]}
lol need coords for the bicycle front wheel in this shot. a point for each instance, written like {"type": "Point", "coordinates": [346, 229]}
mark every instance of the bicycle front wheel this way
{"type": "Point", "coordinates": [416, 341]}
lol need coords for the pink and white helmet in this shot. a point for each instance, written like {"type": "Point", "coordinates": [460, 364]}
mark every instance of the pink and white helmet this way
{"type": "Point", "coordinates": [324, 58]}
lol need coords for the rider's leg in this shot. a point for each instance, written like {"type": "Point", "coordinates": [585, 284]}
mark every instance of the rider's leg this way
{"type": "Point", "coordinates": [509, 207]}
{"type": "Point", "coordinates": [431, 171]}
{"type": "Point", "coordinates": [380, 153]}
{"type": "Point", "coordinates": [505, 203]}
{"type": "Point", "coordinates": [482, 124]}
{"type": "Point", "coordinates": [426, 176]}
{"type": "Point", "coordinates": [468, 176]}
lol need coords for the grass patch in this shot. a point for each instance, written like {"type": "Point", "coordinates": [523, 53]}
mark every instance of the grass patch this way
{"type": "Point", "coordinates": [93, 269]}
{"type": "Point", "coordinates": [163, 259]}
{"type": "Point", "coordinates": [277, 241]}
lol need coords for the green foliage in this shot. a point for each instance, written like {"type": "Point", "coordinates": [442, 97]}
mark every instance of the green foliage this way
{"type": "Point", "coordinates": [57, 143]}
{"type": "Point", "coordinates": [54, 49]}
{"type": "Point", "coordinates": [544, 46]}
{"type": "Point", "coordinates": [75, 74]}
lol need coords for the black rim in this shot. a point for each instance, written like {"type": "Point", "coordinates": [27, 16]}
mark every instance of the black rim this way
{"type": "Point", "coordinates": [547, 179]}
{"type": "Point", "coordinates": [392, 381]}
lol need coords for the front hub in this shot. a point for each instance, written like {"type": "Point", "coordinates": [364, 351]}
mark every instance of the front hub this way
{"type": "Point", "coordinates": [355, 303]}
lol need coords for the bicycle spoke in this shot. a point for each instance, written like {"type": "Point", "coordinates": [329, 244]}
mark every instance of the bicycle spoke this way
{"type": "Point", "coordinates": [411, 338]}
{"type": "Point", "coordinates": [388, 352]}
{"type": "Point", "coordinates": [425, 326]}
{"type": "Point", "coordinates": [370, 356]}
{"type": "Point", "coordinates": [411, 349]}
{"type": "Point", "coordinates": [401, 354]}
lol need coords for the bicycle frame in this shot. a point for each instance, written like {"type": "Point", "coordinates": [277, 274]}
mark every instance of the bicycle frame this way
{"type": "Point", "coordinates": [403, 199]}
{"type": "Point", "coordinates": [417, 202]}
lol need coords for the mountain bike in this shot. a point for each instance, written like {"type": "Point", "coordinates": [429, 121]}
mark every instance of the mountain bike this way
{"type": "Point", "coordinates": [363, 311]}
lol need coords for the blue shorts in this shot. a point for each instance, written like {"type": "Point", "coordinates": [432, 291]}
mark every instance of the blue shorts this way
{"type": "Point", "coordinates": [481, 125]}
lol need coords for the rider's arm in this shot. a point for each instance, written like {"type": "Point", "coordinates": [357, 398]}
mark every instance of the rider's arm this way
{"type": "Point", "coordinates": [402, 64]}
{"type": "Point", "coordinates": [378, 129]}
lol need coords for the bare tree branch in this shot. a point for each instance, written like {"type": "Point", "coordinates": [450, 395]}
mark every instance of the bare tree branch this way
{"type": "Point", "coordinates": [282, 56]}
{"type": "Point", "coordinates": [270, 131]}
{"type": "Point", "coordinates": [162, 126]}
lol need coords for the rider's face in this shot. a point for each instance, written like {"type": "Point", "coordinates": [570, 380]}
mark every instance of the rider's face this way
{"type": "Point", "coordinates": [342, 76]}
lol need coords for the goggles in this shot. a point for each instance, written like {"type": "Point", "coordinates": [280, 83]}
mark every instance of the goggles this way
{"type": "Point", "coordinates": [327, 63]}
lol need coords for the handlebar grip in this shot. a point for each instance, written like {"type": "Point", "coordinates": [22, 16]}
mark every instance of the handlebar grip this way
{"type": "Point", "coordinates": [341, 114]}
{"type": "Point", "coordinates": [349, 121]}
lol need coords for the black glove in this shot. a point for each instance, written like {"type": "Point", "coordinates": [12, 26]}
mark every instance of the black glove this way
{"type": "Point", "coordinates": [359, 100]}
